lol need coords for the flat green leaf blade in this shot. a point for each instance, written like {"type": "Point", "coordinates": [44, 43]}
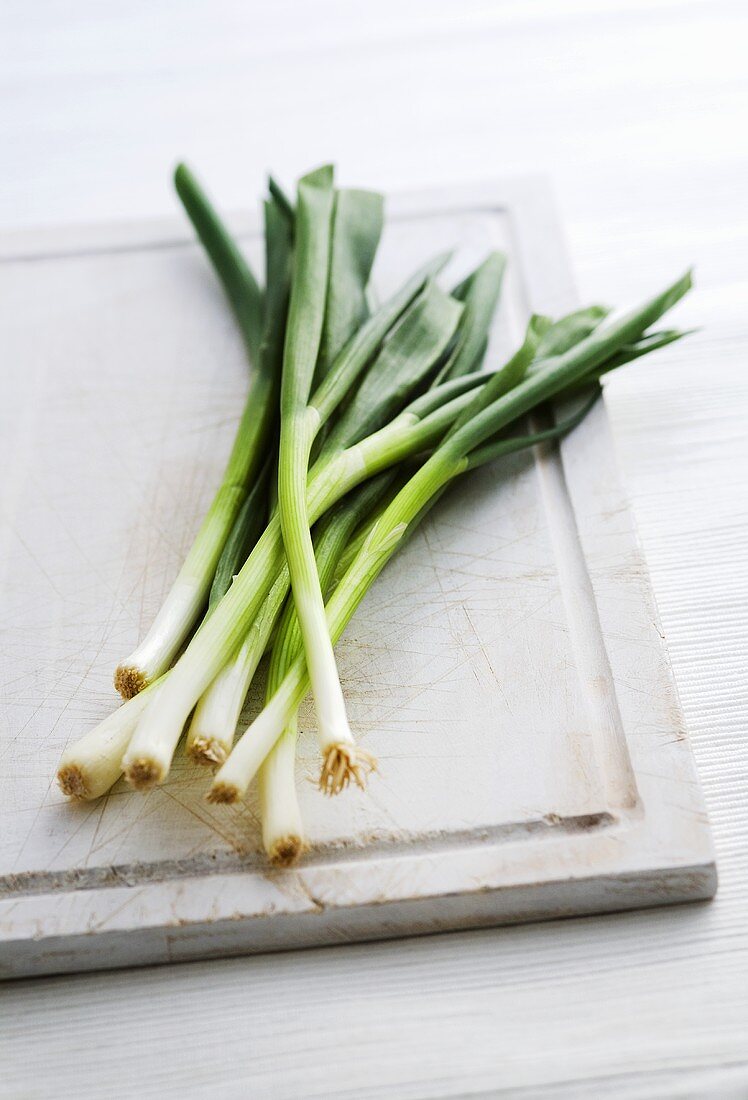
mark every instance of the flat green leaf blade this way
{"type": "Point", "coordinates": [281, 200]}
{"type": "Point", "coordinates": [278, 266]}
{"type": "Point", "coordinates": [568, 331]}
{"type": "Point", "coordinates": [306, 311]}
{"type": "Point", "coordinates": [408, 354]}
{"type": "Point", "coordinates": [509, 376]}
{"type": "Point", "coordinates": [239, 283]}
{"type": "Point", "coordinates": [254, 511]}
{"type": "Point", "coordinates": [651, 342]}
{"type": "Point", "coordinates": [248, 526]}
{"type": "Point", "coordinates": [562, 371]}
{"type": "Point", "coordinates": [480, 293]}
{"type": "Point", "coordinates": [505, 445]}
{"type": "Point", "coordinates": [437, 396]}
{"type": "Point", "coordinates": [627, 354]}
{"type": "Point", "coordinates": [607, 339]}
{"type": "Point", "coordinates": [361, 348]}
{"type": "Point", "coordinates": [357, 223]}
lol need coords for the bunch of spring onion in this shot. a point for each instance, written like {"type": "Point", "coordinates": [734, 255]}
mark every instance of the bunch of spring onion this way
{"type": "Point", "coordinates": [357, 419]}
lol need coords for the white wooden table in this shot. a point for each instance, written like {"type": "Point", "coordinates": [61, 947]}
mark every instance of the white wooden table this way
{"type": "Point", "coordinates": [637, 109]}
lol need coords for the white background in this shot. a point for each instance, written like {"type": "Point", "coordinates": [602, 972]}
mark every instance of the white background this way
{"type": "Point", "coordinates": [638, 110]}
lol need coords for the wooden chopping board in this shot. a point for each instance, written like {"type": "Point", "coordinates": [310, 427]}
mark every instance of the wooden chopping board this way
{"type": "Point", "coordinates": [508, 669]}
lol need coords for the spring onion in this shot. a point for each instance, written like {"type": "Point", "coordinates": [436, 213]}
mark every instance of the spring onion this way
{"type": "Point", "coordinates": [300, 423]}
{"type": "Point", "coordinates": [187, 596]}
{"type": "Point", "coordinates": [93, 763]}
{"type": "Point", "coordinates": [282, 828]}
{"type": "Point", "coordinates": [480, 293]}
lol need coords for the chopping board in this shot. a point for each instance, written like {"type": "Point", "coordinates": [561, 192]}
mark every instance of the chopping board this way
{"type": "Point", "coordinates": [508, 669]}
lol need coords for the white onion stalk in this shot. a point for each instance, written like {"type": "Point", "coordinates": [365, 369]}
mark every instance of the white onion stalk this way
{"type": "Point", "coordinates": [283, 835]}
{"type": "Point", "coordinates": [282, 827]}
{"type": "Point", "coordinates": [300, 423]}
{"type": "Point", "coordinates": [91, 765]}
{"type": "Point", "coordinates": [213, 726]}
{"type": "Point", "coordinates": [176, 617]}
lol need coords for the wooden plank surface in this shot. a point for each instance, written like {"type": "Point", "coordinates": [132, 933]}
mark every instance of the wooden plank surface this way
{"type": "Point", "coordinates": [636, 108]}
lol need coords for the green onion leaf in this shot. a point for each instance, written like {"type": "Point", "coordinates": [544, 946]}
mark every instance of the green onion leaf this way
{"type": "Point", "coordinates": [408, 354]}
{"type": "Point", "coordinates": [480, 294]}
{"type": "Point", "coordinates": [356, 228]}
{"type": "Point", "coordinates": [233, 270]}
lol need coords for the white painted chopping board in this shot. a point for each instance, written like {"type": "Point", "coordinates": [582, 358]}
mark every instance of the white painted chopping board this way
{"type": "Point", "coordinates": [507, 670]}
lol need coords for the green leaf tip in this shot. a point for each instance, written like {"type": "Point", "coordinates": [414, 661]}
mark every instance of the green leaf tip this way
{"type": "Point", "coordinates": [673, 294]}
{"type": "Point", "coordinates": [183, 177]}
{"type": "Point", "coordinates": [281, 199]}
{"type": "Point", "coordinates": [538, 325]}
{"type": "Point", "coordinates": [322, 177]}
